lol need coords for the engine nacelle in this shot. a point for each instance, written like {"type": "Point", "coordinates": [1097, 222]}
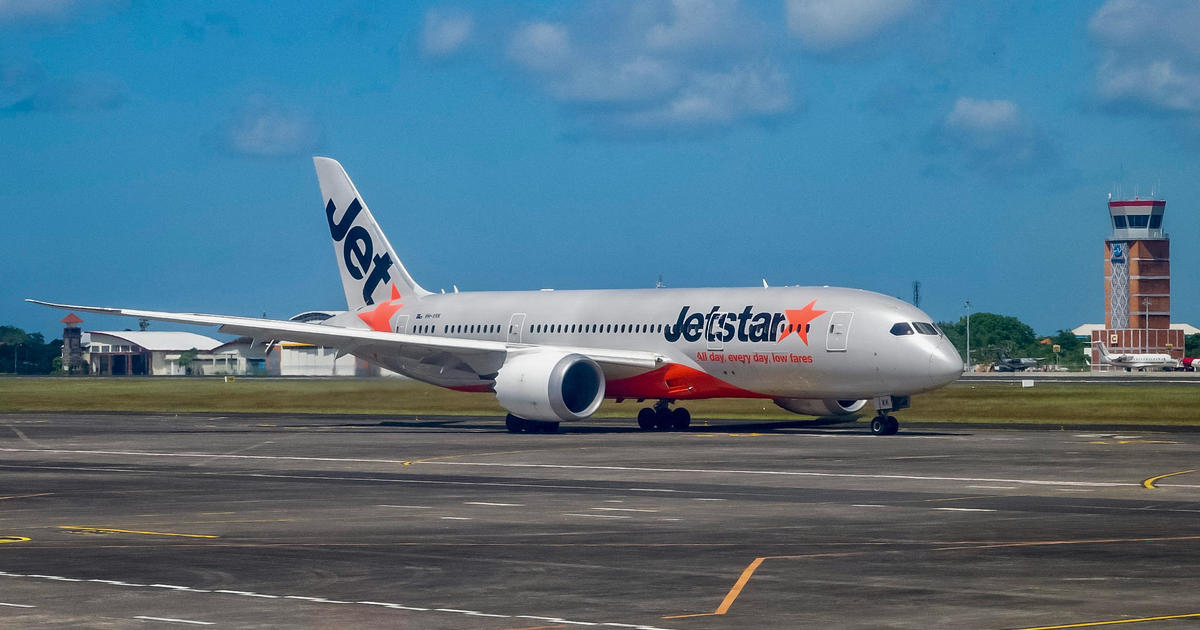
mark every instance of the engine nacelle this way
{"type": "Point", "coordinates": [821, 407]}
{"type": "Point", "coordinates": [550, 386]}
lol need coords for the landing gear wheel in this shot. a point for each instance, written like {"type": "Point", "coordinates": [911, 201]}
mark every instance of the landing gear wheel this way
{"type": "Point", "coordinates": [647, 419]}
{"type": "Point", "coordinates": [514, 424]}
{"type": "Point", "coordinates": [681, 419]}
{"type": "Point", "coordinates": [663, 420]}
{"type": "Point", "coordinates": [884, 425]}
{"type": "Point", "coordinates": [545, 427]}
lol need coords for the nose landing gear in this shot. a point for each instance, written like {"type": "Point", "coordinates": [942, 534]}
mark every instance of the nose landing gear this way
{"type": "Point", "coordinates": [662, 418]}
{"type": "Point", "coordinates": [884, 423]}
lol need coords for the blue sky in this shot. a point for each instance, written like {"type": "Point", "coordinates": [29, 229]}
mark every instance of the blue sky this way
{"type": "Point", "coordinates": [157, 154]}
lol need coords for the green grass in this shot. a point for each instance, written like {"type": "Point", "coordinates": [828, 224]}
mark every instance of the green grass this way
{"type": "Point", "coordinates": [1150, 404]}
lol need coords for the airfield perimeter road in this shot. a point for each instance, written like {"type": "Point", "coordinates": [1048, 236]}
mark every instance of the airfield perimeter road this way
{"type": "Point", "coordinates": [137, 521]}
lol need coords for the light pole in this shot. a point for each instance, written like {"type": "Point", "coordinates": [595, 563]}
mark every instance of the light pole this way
{"type": "Point", "coordinates": [968, 306]}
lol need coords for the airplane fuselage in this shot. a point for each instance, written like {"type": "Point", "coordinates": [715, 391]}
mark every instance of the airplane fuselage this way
{"type": "Point", "coordinates": [780, 342]}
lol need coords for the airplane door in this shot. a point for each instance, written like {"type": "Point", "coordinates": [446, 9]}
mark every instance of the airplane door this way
{"type": "Point", "coordinates": [839, 330]}
{"type": "Point", "coordinates": [514, 327]}
{"type": "Point", "coordinates": [401, 324]}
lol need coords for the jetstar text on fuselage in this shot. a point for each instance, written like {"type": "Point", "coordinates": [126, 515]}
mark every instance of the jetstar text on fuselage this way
{"type": "Point", "coordinates": [746, 325]}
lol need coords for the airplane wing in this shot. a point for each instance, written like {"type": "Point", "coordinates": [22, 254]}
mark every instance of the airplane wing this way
{"type": "Point", "coordinates": [352, 340]}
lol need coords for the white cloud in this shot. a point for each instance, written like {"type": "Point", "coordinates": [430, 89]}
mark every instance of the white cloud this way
{"type": "Point", "coordinates": [693, 23]}
{"type": "Point", "coordinates": [19, 81]}
{"type": "Point", "coordinates": [262, 127]}
{"type": "Point", "coordinates": [24, 87]}
{"type": "Point", "coordinates": [648, 68]}
{"type": "Point", "coordinates": [540, 46]}
{"type": "Point", "coordinates": [717, 99]}
{"type": "Point", "coordinates": [992, 134]}
{"type": "Point", "coordinates": [445, 32]}
{"type": "Point", "coordinates": [14, 10]}
{"type": "Point", "coordinates": [828, 25]}
{"type": "Point", "coordinates": [1151, 55]}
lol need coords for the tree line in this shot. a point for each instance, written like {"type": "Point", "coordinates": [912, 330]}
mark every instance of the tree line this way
{"type": "Point", "coordinates": [28, 353]}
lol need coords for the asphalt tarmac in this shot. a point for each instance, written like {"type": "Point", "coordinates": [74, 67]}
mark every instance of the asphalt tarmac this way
{"type": "Point", "coordinates": [151, 521]}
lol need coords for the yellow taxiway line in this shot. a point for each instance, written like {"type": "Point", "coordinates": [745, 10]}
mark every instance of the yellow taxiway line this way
{"type": "Point", "coordinates": [1149, 483]}
{"type": "Point", "coordinates": [110, 530]}
{"type": "Point", "coordinates": [1093, 624]}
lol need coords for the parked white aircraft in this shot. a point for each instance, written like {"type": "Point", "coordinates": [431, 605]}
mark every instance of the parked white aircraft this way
{"type": "Point", "coordinates": [552, 356]}
{"type": "Point", "coordinates": [1138, 361]}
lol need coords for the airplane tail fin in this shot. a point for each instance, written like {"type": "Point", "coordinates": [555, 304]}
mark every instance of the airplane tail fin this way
{"type": "Point", "coordinates": [1104, 353]}
{"type": "Point", "coordinates": [371, 271]}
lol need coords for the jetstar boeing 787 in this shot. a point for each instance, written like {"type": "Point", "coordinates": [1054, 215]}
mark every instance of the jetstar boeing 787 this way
{"type": "Point", "coordinates": [551, 356]}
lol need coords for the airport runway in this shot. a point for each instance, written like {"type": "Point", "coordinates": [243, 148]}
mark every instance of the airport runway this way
{"type": "Point", "coordinates": [150, 521]}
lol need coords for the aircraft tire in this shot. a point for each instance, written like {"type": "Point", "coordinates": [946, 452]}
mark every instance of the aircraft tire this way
{"type": "Point", "coordinates": [681, 419]}
{"type": "Point", "coordinates": [545, 427]}
{"type": "Point", "coordinates": [879, 425]}
{"type": "Point", "coordinates": [514, 424]}
{"type": "Point", "coordinates": [892, 425]}
{"type": "Point", "coordinates": [663, 420]}
{"type": "Point", "coordinates": [647, 419]}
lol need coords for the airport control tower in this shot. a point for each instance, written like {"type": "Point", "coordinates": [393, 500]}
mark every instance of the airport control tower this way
{"type": "Point", "coordinates": [1137, 282]}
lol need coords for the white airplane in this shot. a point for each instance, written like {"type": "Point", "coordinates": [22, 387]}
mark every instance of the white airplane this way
{"type": "Point", "coordinates": [552, 356]}
{"type": "Point", "coordinates": [1138, 361]}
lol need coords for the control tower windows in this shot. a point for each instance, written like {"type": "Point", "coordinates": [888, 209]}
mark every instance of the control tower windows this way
{"type": "Point", "coordinates": [1119, 222]}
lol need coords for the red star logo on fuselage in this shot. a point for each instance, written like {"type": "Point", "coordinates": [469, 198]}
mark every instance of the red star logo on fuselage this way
{"type": "Point", "coordinates": [798, 321]}
{"type": "Point", "coordinates": [380, 317]}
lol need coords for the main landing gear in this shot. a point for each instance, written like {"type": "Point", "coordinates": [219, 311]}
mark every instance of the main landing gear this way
{"type": "Point", "coordinates": [662, 418]}
{"type": "Point", "coordinates": [884, 423]}
{"type": "Point", "coordinates": [518, 425]}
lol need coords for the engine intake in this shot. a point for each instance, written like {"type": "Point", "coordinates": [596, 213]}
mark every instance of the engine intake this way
{"type": "Point", "coordinates": [824, 408]}
{"type": "Point", "coordinates": [550, 386]}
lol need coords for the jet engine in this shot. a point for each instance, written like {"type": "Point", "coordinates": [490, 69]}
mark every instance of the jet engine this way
{"type": "Point", "coordinates": [550, 386]}
{"type": "Point", "coordinates": [821, 407]}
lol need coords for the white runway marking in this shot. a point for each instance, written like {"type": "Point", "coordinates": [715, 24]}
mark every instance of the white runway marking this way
{"type": "Point", "coordinates": [171, 620]}
{"type": "Point", "coordinates": [494, 504]}
{"type": "Point", "coordinates": [708, 471]}
{"type": "Point", "coordinates": [455, 518]}
{"type": "Point", "coordinates": [872, 505]}
{"type": "Point", "coordinates": [945, 509]}
{"type": "Point", "coordinates": [598, 515]}
{"type": "Point", "coordinates": [609, 509]}
{"type": "Point", "coordinates": [793, 473]}
{"type": "Point", "coordinates": [319, 600]}
{"type": "Point", "coordinates": [408, 507]}
{"type": "Point", "coordinates": [994, 487]}
{"type": "Point", "coordinates": [17, 605]}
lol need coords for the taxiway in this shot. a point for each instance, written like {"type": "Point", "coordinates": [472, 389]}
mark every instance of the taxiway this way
{"type": "Point", "coordinates": [124, 521]}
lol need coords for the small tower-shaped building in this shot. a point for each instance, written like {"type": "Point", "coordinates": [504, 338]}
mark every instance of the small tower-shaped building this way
{"type": "Point", "coordinates": [72, 348]}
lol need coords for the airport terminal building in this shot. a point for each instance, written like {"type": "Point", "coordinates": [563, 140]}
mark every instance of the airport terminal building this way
{"type": "Point", "coordinates": [166, 353]}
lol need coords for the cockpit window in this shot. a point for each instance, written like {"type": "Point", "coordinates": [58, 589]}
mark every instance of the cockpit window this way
{"type": "Point", "coordinates": [925, 328]}
{"type": "Point", "coordinates": [901, 328]}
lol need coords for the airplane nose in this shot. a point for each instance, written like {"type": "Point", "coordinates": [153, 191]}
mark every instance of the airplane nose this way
{"type": "Point", "coordinates": [944, 365]}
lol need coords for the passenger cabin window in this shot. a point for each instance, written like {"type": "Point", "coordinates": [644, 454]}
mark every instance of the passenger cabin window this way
{"type": "Point", "coordinates": [925, 328]}
{"type": "Point", "coordinates": [901, 328]}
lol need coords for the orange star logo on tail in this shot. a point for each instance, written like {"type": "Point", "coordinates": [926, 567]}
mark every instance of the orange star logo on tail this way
{"type": "Point", "coordinates": [798, 321]}
{"type": "Point", "coordinates": [380, 317]}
